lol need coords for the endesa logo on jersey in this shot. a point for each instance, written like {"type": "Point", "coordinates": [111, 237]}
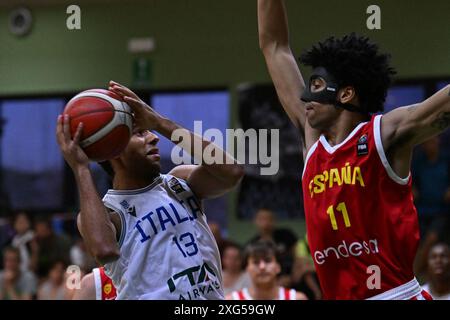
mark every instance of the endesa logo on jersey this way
{"type": "Point", "coordinates": [345, 250]}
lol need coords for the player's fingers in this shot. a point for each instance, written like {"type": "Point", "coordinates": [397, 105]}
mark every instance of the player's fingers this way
{"type": "Point", "coordinates": [76, 138]}
{"type": "Point", "coordinates": [112, 82]}
{"type": "Point", "coordinates": [115, 83]}
{"type": "Point", "coordinates": [59, 130]}
{"type": "Point", "coordinates": [122, 91]}
{"type": "Point", "coordinates": [125, 91]}
{"type": "Point", "coordinates": [66, 128]}
{"type": "Point", "coordinates": [119, 91]}
{"type": "Point", "coordinates": [120, 94]}
{"type": "Point", "coordinates": [135, 105]}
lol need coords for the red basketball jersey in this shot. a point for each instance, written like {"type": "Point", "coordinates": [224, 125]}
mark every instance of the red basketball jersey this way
{"type": "Point", "coordinates": [362, 225]}
{"type": "Point", "coordinates": [104, 288]}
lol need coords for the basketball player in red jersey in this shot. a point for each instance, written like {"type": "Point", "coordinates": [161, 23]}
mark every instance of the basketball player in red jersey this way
{"type": "Point", "coordinates": [361, 222]}
{"type": "Point", "coordinates": [263, 267]}
{"type": "Point", "coordinates": [96, 286]}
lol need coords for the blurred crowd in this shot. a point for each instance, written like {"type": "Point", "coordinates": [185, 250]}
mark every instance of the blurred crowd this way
{"type": "Point", "coordinates": [36, 251]}
{"type": "Point", "coordinates": [35, 254]}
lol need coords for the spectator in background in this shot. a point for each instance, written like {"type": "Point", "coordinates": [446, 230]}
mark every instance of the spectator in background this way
{"type": "Point", "coordinates": [22, 239]}
{"type": "Point", "coordinates": [53, 288]}
{"type": "Point", "coordinates": [284, 239]}
{"type": "Point", "coordinates": [222, 243]}
{"type": "Point", "coordinates": [80, 256]}
{"type": "Point", "coordinates": [6, 235]}
{"type": "Point", "coordinates": [438, 284]}
{"type": "Point", "coordinates": [47, 247]}
{"type": "Point", "coordinates": [234, 276]}
{"type": "Point", "coordinates": [262, 264]}
{"type": "Point", "coordinates": [15, 284]}
{"type": "Point", "coordinates": [431, 170]}
{"type": "Point", "coordinates": [304, 277]}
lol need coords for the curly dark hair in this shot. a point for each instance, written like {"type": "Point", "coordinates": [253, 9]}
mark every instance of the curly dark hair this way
{"type": "Point", "coordinates": [354, 61]}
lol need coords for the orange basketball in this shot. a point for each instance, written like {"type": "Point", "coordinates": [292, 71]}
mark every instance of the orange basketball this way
{"type": "Point", "coordinates": [107, 123]}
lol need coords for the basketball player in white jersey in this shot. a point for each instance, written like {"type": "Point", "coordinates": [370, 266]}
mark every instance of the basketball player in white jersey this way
{"type": "Point", "coordinates": [263, 268]}
{"type": "Point", "coordinates": [150, 232]}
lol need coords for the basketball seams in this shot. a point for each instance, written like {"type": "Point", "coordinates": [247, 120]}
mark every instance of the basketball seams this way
{"type": "Point", "coordinates": [90, 112]}
{"type": "Point", "coordinates": [114, 122]}
{"type": "Point", "coordinates": [116, 113]}
{"type": "Point", "coordinates": [95, 94]}
{"type": "Point", "coordinates": [109, 146]}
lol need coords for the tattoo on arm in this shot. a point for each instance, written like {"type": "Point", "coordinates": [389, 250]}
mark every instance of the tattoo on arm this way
{"type": "Point", "coordinates": [442, 121]}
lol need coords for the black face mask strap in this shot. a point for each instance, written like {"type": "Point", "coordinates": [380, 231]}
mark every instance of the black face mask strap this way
{"type": "Point", "coordinates": [350, 107]}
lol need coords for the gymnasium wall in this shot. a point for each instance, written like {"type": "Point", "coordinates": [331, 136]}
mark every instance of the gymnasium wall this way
{"type": "Point", "coordinates": [202, 43]}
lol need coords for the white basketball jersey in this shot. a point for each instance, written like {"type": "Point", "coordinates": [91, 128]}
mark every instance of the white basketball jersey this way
{"type": "Point", "coordinates": [167, 251]}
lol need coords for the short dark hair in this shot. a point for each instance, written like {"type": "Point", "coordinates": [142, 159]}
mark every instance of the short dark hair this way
{"type": "Point", "coordinates": [439, 244]}
{"type": "Point", "coordinates": [238, 247]}
{"type": "Point", "coordinates": [14, 250]}
{"type": "Point", "coordinates": [106, 165]}
{"type": "Point", "coordinates": [44, 219]}
{"type": "Point", "coordinates": [232, 244]}
{"type": "Point", "coordinates": [18, 213]}
{"type": "Point", "coordinates": [354, 61]}
{"type": "Point", "coordinates": [261, 249]}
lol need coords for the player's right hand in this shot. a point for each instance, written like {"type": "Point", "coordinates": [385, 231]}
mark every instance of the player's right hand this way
{"type": "Point", "coordinates": [71, 150]}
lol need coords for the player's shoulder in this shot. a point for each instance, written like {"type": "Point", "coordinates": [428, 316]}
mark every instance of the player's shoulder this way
{"type": "Point", "coordinates": [182, 171]}
{"type": "Point", "coordinates": [395, 123]}
{"type": "Point", "coordinates": [176, 181]}
{"type": "Point", "coordinates": [300, 296]}
{"type": "Point", "coordinates": [88, 281]}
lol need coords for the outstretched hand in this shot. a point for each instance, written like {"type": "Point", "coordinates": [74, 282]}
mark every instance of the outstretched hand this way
{"type": "Point", "coordinates": [144, 116]}
{"type": "Point", "coordinates": [70, 148]}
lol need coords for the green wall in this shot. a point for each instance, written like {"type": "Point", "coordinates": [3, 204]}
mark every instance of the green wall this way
{"type": "Point", "coordinates": [204, 43]}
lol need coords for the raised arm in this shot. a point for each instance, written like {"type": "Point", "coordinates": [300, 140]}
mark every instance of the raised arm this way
{"type": "Point", "coordinates": [412, 125]}
{"type": "Point", "coordinates": [405, 127]}
{"type": "Point", "coordinates": [274, 43]}
{"type": "Point", "coordinates": [209, 179]}
{"type": "Point", "coordinates": [95, 224]}
{"type": "Point", "coordinates": [214, 177]}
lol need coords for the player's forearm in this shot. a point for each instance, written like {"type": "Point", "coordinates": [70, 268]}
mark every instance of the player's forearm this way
{"type": "Point", "coordinates": [97, 228]}
{"type": "Point", "coordinates": [272, 24]}
{"type": "Point", "coordinates": [214, 159]}
{"type": "Point", "coordinates": [441, 120]}
{"type": "Point", "coordinates": [431, 117]}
